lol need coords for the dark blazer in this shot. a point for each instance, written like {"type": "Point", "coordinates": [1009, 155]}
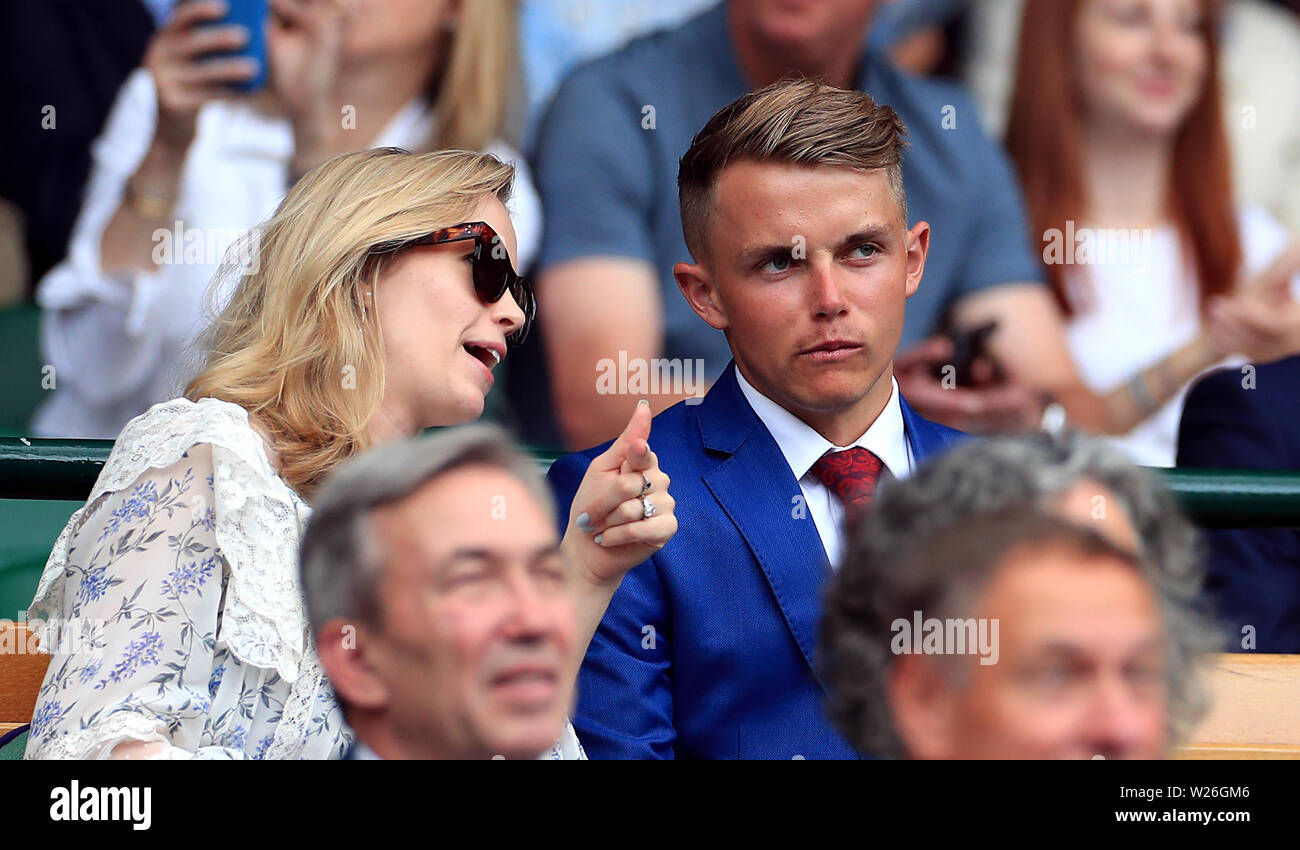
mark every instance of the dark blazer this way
{"type": "Point", "coordinates": [708, 650]}
{"type": "Point", "coordinates": [1254, 574]}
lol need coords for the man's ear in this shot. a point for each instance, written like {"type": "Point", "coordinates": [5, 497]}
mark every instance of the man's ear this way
{"type": "Point", "coordinates": [343, 648]}
{"type": "Point", "coordinates": [918, 247]}
{"type": "Point", "coordinates": [696, 283]}
{"type": "Point", "coordinates": [921, 705]}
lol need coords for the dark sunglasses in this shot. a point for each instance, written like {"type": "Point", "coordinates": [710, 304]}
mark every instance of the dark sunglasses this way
{"type": "Point", "coordinates": [490, 264]}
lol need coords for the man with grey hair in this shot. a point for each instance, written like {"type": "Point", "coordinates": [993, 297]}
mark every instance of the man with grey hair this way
{"type": "Point", "coordinates": [441, 602]}
{"type": "Point", "coordinates": [1077, 565]}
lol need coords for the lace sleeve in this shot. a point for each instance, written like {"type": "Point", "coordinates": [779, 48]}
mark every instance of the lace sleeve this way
{"type": "Point", "coordinates": [135, 620]}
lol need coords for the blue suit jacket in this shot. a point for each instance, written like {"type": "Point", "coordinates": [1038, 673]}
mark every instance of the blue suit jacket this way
{"type": "Point", "coordinates": [1253, 574]}
{"type": "Point", "coordinates": [708, 650]}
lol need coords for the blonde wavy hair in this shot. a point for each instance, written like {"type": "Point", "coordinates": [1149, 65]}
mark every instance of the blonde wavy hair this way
{"type": "Point", "coordinates": [476, 90]}
{"type": "Point", "coordinates": [295, 346]}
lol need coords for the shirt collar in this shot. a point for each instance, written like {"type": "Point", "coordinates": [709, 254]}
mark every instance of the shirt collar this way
{"type": "Point", "coordinates": [412, 127]}
{"type": "Point", "coordinates": [802, 446]}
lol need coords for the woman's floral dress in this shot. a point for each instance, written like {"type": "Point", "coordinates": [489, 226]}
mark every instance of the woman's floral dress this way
{"type": "Point", "coordinates": [172, 604]}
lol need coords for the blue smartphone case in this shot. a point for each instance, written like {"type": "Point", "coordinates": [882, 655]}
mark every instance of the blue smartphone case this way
{"type": "Point", "coordinates": [252, 15]}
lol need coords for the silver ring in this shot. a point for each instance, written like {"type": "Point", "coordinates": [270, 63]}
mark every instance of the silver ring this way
{"type": "Point", "coordinates": [645, 484]}
{"type": "Point", "coordinates": [647, 507]}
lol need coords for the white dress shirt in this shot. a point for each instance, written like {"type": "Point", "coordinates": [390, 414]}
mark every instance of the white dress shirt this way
{"type": "Point", "coordinates": [803, 447]}
{"type": "Point", "coordinates": [121, 342]}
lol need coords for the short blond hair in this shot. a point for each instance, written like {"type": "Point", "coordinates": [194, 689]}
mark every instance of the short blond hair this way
{"type": "Point", "coordinates": [795, 121]}
{"type": "Point", "coordinates": [295, 346]}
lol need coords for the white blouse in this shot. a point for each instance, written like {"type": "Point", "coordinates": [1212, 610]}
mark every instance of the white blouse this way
{"type": "Point", "coordinates": [172, 606]}
{"type": "Point", "coordinates": [123, 341]}
{"type": "Point", "coordinates": [1141, 307]}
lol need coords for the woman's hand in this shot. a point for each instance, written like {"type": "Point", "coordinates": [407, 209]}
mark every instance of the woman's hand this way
{"type": "Point", "coordinates": [1262, 318]}
{"type": "Point", "coordinates": [1262, 328]}
{"type": "Point", "coordinates": [184, 78]}
{"type": "Point", "coordinates": [1274, 282]}
{"type": "Point", "coordinates": [608, 532]}
{"type": "Point", "coordinates": [305, 52]}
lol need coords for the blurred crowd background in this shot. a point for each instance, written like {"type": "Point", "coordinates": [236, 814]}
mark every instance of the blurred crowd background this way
{"type": "Point", "coordinates": [123, 124]}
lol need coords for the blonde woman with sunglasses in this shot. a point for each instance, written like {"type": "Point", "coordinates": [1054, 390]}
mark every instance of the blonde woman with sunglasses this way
{"type": "Point", "coordinates": [384, 294]}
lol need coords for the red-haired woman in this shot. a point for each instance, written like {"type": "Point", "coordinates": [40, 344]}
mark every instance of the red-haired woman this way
{"type": "Point", "coordinates": [1116, 130]}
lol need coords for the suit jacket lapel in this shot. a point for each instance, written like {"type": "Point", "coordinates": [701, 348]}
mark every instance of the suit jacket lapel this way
{"type": "Point", "coordinates": [758, 492]}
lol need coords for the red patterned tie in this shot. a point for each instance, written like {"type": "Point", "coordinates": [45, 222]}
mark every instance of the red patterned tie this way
{"type": "Point", "coordinates": [852, 476]}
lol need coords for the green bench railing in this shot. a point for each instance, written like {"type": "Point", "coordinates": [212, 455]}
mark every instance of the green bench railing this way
{"type": "Point", "coordinates": [32, 468]}
{"type": "Point", "coordinates": [1213, 498]}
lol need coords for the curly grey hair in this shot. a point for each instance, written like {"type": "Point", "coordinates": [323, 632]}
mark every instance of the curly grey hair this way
{"type": "Point", "coordinates": [991, 477]}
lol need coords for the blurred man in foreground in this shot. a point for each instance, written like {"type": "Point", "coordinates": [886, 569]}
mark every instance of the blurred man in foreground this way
{"type": "Point", "coordinates": [440, 602]}
{"type": "Point", "coordinates": [995, 606]}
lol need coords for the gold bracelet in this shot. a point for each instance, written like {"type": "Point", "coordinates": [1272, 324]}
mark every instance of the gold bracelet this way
{"type": "Point", "coordinates": [148, 205]}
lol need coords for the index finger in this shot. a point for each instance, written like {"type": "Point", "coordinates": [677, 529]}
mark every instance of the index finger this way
{"type": "Point", "coordinates": [934, 349]}
{"type": "Point", "coordinates": [195, 12]}
{"type": "Point", "coordinates": [1002, 401]}
{"type": "Point", "coordinates": [940, 401]}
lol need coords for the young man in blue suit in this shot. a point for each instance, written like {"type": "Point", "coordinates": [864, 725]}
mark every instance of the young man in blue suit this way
{"type": "Point", "coordinates": [793, 209]}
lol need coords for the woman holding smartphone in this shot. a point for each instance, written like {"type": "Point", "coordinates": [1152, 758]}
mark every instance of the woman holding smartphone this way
{"type": "Point", "coordinates": [383, 296]}
{"type": "Point", "coordinates": [188, 162]}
